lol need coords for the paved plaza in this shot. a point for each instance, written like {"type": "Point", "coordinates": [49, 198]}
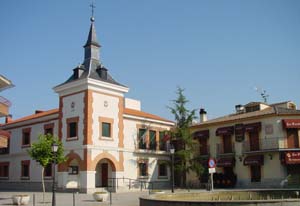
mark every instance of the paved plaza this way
{"type": "Point", "coordinates": [66, 199]}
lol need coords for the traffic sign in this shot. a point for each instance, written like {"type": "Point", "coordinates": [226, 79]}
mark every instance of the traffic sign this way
{"type": "Point", "coordinates": [211, 163]}
{"type": "Point", "coordinates": [211, 170]}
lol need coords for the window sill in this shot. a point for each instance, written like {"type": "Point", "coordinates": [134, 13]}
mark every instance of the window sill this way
{"type": "Point", "coordinates": [4, 178]}
{"type": "Point", "coordinates": [25, 178]}
{"type": "Point", "coordinates": [106, 138]}
{"type": "Point", "coordinates": [48, 177]}
{"type": "Point", "coordinates": [72, 139]}
{"type": "Point", "coordinates": [26, 146]}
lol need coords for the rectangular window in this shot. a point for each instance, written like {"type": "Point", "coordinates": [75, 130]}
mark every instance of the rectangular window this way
{"type": "Point", "coordinates": [143, 169]}
{"type": "Point", "coordinates": [72, 130]}
{"type": "Point", "coordinates": [26, 137]}
{"type": "Point", "coordinates": [162, 142]}
{"type": "Point", "coordinates": [4, 169]}
{"type": "Point", "coordinates": [255, 173]}
{"type": "Point", "coordinates": [25, 169]}
{"type": "Point", "coordinates": [254, 141]}
{"type": "Point", "coordinates": [142, 138]}
{"type": "Point", "coordinates": [106, 128]}
{"type": "Point", "coordinates": [227, 144]}
{"type": "Point", "coordinates": [49, 131]}
{"type": "Point", "coordinates": [162, 170]}
{"type": "Point", "coordinates": [73, 170]}
{"type": "Point", "coordinates": [152, 145]}
{"type": "Point", "coordinates": [203, 146]}
{"type": "Point", "coordinates": [48, 128]}
{"type": "Point", "coordinates": [48, 170]}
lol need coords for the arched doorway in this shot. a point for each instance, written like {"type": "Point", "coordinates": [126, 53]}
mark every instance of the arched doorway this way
{"type": "Point", "coordinates": [105, 170]}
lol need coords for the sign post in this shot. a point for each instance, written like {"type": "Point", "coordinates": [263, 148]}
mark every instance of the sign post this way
{"type": "Point", "coordinates": [212, 170]}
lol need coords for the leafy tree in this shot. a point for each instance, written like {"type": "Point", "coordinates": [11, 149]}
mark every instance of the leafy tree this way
{"type": "Point", "coordinates": [182, 139]}
{"type": "Point", "coordinates": [41, 151]}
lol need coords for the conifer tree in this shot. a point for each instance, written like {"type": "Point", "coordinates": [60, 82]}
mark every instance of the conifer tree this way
{"type": "Point", "coordinates": [182, 139]}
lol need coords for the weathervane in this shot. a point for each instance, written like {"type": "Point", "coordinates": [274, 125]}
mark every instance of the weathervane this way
{"type": "Point", "coordinates": [263, 94]}
{"type": "Point", "coordinates": [93, 7]}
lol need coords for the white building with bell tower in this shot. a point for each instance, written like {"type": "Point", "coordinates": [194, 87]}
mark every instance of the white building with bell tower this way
{"type": "Point", "coordinates": [107, 137]}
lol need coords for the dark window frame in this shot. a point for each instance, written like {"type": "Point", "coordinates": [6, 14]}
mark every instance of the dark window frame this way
{"type": "Point", "coordinates": [162, 169]}
{"type": "Point", "coordinates": [4, 170]}
{"type": "Point", "coordinates": [72, 123]}
{"type": "Point", "coordinates": [25, 169]}
{"type": "Point", "coordinates": [26, 137]}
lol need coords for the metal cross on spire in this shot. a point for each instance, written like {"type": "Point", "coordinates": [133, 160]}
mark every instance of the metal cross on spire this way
{"type": "Point", "coordinates": [93, 7]}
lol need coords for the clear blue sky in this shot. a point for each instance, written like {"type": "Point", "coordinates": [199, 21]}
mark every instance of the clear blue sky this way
{"type": "Point", "coordinates": [217, 50]}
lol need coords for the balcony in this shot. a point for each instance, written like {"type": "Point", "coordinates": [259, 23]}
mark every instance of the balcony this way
{"type": "Point", "coordinates": [269, 144]}
{"type": "Point", "coordinates": [4, 105]}
{"type": "Point", "coordinates": [225, 150]}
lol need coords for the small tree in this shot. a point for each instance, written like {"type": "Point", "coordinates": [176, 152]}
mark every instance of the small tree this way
{"type": "Point", "coordinates": [41, 151]}
{"type": "Point", "coordinates": [182, 138]}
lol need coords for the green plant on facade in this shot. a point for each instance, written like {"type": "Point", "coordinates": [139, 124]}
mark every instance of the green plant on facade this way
{"type": "Point", "coordinates": [182, 139]}
{"type": "Point", "coordinates": [41, 151]}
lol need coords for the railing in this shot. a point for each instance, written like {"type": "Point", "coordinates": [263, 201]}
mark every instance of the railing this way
{"type": "Point", "coordinates": [151, 149]}
{"type": "Point", "coordinates": [115, 183]}
{"type": "Point", "coordinates": [221, 150]}
{"type": "Point", "coordinates": [274, 143]}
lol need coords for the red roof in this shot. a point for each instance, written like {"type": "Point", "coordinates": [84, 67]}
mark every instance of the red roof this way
{"type": "Point", "coordinates": [33, 116]}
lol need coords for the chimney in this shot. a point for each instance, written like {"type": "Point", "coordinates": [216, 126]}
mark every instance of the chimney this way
{"type": "Point", "coordinates": [239, 108]}
{"type": "Point", "coordinates": [38, 111]}
{"type": "Point", "coordinates": [8, 119]}
{"type": "Point", "coordinates": [203, 117]}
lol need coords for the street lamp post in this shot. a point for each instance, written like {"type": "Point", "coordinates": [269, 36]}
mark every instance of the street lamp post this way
{"type": "Point", "coordinates": [172, 151]}
{"type": "Point", "coordinates": [54, 148]}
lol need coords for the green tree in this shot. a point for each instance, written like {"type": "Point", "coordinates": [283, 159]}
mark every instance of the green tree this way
{"type": "Point", "coordinates": [41, 151]}
{"type": "Point", "coordinates": [182, 139]}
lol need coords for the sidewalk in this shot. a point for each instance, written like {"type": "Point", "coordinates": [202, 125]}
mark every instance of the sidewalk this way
{"type": "Point", "coordinates": [66, 199]}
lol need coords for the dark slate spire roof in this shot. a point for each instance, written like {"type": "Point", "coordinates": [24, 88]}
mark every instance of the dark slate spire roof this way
{"type": "Point", "coordinates": [92, 38]}
{"type": "Point", "coordinates": [91, 66]}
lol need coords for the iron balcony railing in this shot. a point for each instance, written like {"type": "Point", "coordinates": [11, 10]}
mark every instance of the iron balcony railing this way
{"type": "Point", "coordinates": [223, 150]}
{"type": "Point", "coordinates": [273, 144]}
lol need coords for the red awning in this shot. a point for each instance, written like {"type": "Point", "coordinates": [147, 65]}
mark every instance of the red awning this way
{"type": "Point", "coordinates": [291, 123]}
{"type": "Point", "coordinates": [254, 160]}
{"type": "Point", "coordinates": [253, 127]}
{"type": "Point", "coordinates": [225, 131]}
{"type": "Point", "coordinates": [292, 158]}
{"type": "Point", "coordinates": [226, 162]}
{"type": "Point", "coordinates": [201, 134]}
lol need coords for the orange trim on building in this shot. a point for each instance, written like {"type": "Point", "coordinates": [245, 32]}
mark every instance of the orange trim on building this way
{"type": "Point", "coordinates": [105, 155]}
{"type": "Point", "coordinates": [88, 120]}
{"type": "Point", "coordinates": [63, 167]}
{"type": "Point", "coordinates": [60, 117]}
